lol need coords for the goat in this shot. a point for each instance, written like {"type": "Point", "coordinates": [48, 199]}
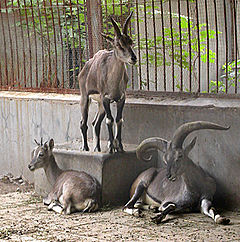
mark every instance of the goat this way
{"type": "Point", "coordinates": [104, 78]}
{"type": "Point", "coordinates": [181, 185]}
{"type": "Point", "coordinates": [71, 190]}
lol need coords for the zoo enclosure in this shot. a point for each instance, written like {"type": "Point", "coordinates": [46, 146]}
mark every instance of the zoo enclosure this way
{"type": "Point", "coordinates": [181, 45]}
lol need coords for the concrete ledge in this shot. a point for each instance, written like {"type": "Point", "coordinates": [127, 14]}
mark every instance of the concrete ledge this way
{"type": "Point", "coordinates": [115, 172]}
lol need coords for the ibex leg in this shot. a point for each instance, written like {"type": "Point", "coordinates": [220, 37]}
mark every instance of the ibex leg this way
{"type": "Point", "coordinates": [84, 103]}
{"type": "Point", "coordinates": [207, 209]}
{"type": "Point", "coordinates": [97, 126]}
{"type": "Point", "coordinates": [109, 121]}
{"type": "Point", "coordinates": [119, 121]}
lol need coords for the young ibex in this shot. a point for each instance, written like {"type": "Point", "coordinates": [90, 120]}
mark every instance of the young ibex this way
{"type": "Point", "coordinates": [72, 190]}
{"type": "Point", "coordinates": [181, 185]}
{"type": "Point", "coordinates": [104, 78]}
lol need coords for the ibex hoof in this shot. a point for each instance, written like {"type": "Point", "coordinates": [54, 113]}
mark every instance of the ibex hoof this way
{"type": "Point", "coordinates": [222, 220]}
{"type": "Point", "coordinates": [158, 219]}
{"type": "Point", "coordinates": [85, 148]}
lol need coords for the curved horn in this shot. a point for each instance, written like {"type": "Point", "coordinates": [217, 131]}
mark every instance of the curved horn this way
{"type": "Point", "coordinates": [116, 28]}
{"type": "Point", "coordinates": [37, 142]}
{"type": "Point", "coordinates": [184, 130]}
{"type": "Point", "coordinates": [148, 145]}
{"type": "Point", "coordinates": [125, 26]}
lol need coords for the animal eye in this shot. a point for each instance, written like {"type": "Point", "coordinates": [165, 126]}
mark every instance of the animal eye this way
{"type": "Point", "coordinates": [41, 154]}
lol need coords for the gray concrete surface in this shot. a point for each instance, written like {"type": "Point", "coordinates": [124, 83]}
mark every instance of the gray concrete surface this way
{"type": "Point", "coordinates": [25, 116]}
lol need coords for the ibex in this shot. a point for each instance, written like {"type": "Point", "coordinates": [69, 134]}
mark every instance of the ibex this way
{"type": "Point", "coordinates": [71, 190]}
{"type": "Point", "coordinates": [104, 78]}
{"type": "Point", "coordinates": [181, 185]}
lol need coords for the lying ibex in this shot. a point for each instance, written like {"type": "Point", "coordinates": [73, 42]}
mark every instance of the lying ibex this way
{"type": "Point", "coordinates": [104, 78]}
{"type": "Point", "coordinates": [72, 190]}
{"type": "Point", "coordinates": [181, 185]}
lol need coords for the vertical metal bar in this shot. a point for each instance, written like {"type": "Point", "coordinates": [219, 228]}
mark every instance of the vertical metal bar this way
{"type": "Point", "coordinates": [5, 48]}
{"type": "Point", "coordinates": [79, 38]}
{"type": "Point", "coordinates": [67, 41]}
{"type": "Point", "coordinates": [164, 50]}
{"type": "Point", "coordinates": [86, 28]}
{"type": "Point", "coordinates": [106, 16]}
{"type": "Point", "coordinates": [16, 43]}
{"type": "Point", "coordinates": [180, 36]}
{"type": "Point", "coordinates": [29, 42]}
{"type": "Point", "coordinates": [49, 44]}
{"type": "Point", "coordinates": [42, 43]}
{"type": "Point", "coordinates": [172, 44]}
{"type": "Point", "coordinates": [61, 41]}
{"type": "Point", "coordinates": [226, 42]}
{"type": "Point", "coordinates": [113, 6]}
{"type": "Point", "coordinates": [130, 31]}
{"type": "Point", "coordinates": [121, 10]}
{"type": "Point", "coordinates": [90, 40]}
{"type": "Point", "coordinates": [55, 84]}
{"type": "Point", "coordinates": [190, 47]}
{"type": "Point", "coordinates": [217, 45]}
{"type": "Point", "coordinates": [139, 47]}
{"type": "Point", "coordinates": [146, 42]}
{"type": "Point", "coordinates": [207, 29]}
{"type": "Point", "coordinates": [155, 44]}
{"type": "Point", "coordinates": [199, 49]}
{"type": "Point", "coordinates": [235, 43]}
{"type": "Point", "coordinates": [23, 45]}
{"type": "Point", "coordinates": [73, 47]}
{"type": "Point", "coordinates": [11, 46]}
{"type": "Point", "coordinates": [35, 43]}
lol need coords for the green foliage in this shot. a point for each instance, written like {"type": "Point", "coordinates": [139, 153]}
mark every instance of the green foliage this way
{"type": "Point", "coordinates": [183, 38]}
{"type": "Point", "coordinates": [45, 18]}
{"type": "Point", "coordinates": [226, 80]}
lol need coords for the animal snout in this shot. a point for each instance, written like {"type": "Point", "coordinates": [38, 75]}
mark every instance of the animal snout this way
{"type": "Point", "coordinates": [30, 167]}
{"type": "Point", "coordinates": [134, 59]}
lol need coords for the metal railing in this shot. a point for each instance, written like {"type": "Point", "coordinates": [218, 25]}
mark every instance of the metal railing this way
{"type": "Point", "coordinates": [181, 45]}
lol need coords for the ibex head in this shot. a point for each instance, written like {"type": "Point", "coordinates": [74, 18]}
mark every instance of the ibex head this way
{"type": "Point", "coordinates": [174, 155]}
{"type": "Point", "coordinates": [122, 43]}
{"type": "Point", "coordinates": [40, 155]}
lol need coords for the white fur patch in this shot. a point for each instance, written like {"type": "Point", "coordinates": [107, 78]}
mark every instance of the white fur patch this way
{"type": "Point", "coordinates": [108, 121]}
{"type": "Point", "coordinates": [132, 211]}
{"type": "Point", "coordinates": [57, 209]}
{"type": "Point", "coordinates": [217, 217]}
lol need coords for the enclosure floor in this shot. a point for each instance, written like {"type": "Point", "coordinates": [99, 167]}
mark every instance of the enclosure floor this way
{"type": "Point", "coordinates": [23, 217]}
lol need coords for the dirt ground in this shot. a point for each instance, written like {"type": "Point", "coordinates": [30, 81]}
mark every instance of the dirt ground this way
{"type": "Point", "coordinates": [23, 217]}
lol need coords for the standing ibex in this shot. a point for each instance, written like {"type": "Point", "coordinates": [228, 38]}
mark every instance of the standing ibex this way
{"type": "Point", "coordinates": [72, 190]}
{"type": "Point", "coordinates": [181, 185]}
{"type": "Point", "coordinates": [104, 78]}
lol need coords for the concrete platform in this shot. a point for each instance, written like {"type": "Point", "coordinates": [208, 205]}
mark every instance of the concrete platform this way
{"type": "Point", "coordinates": [115, 172]}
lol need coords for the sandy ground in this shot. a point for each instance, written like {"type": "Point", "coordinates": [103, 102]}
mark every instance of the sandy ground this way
{"type": "Point", "coordinates": [23, 217]}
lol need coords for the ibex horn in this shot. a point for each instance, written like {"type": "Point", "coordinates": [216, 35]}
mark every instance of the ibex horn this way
{"type": "Point", "coordinates": [125, 26]}
{"type": "Point", "coordinates": [148, 145]}
{"type": "Point", "coordinates": [116, 28]}
{"type": "Point", "coordinates": [184, 130]}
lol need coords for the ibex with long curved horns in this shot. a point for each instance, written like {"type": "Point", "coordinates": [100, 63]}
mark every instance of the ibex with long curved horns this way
{"type": "Point", "coordinates": [104, 78]}
{"type": "Point", "coordinates": [181, 185]}
{"type": "Point", "coordinates": [71, 190]}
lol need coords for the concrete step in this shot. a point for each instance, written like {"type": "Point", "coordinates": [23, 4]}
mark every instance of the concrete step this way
{"type": "Point", "coordinates": [115, 172]}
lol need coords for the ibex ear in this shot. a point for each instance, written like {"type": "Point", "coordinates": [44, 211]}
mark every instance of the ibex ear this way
{"type": "Point", "coordinates": [51, 144]}
{"type": "Point", "coordinates": [190, 146]}
{"type": "Point", "coordinates": [109, 39]}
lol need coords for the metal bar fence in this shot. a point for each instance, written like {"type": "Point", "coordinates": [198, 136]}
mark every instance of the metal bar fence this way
{"type": "Point", "coordinates": [181, 45]}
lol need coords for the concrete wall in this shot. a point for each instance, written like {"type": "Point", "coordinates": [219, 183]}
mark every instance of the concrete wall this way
{"type": "Point", "coordinates": [28, 116]}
